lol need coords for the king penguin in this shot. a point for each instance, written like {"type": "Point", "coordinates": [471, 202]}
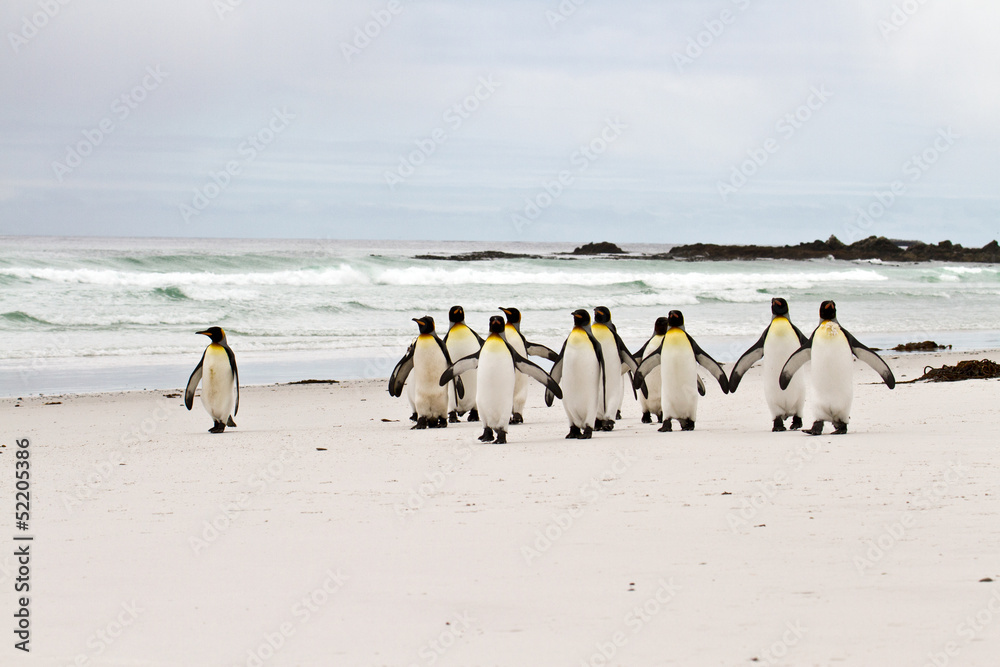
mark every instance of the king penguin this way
{"type": "Point", "coordinates": [649, 396]}
{"type": "Point", "coordinates": [427, 358]}
{"type": "Point", "coordinates": [579, 369]}
{"type": "Point", "coordinates": [678, 358]}
{"type": "Point", "coordinates": [617, 361]}
{"type": "Point", "coordinates": [497, 362]}
{"type": "Point", "coordinates": [462, 341]}
{"type": "Point", "coordinates": [832, 350]}
{"type": "Point", "coordinates": [779, 341]}
{"type": "Point", "coordinates": [220, 381]}
{"type": "Point", "coordinates": [512, 332]}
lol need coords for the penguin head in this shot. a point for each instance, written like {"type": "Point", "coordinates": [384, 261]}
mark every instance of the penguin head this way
{"type": "Point", "coordinates": [456, 314]}
{"type": "Point", "coordinates": [513, 315]}
{"type": "Point", "coordinates": [215, 333]}
{"type": "Point", "coordinates": [426, 324]}
{"type": "Point", "coordinates": [675, 318]}
{"type": "Point", "coordinates": [779, 307]}
{"type": "Point", "coordinates": [660, 326]}
{"type": "Point", "coordinates": [581, 318]}
{"type": "Point", "coordinates": [602, 315]}
{"type": "Point", "coordinates": [828, 311]}
{"type": "Point", "coordinates": [496, 324]}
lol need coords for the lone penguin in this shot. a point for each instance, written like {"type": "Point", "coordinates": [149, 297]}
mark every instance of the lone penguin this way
{"type": "Point", "coordinates": [779, 341]}
{"type": "Point", "coordinates": [220, 381]}
{"type": "Point", "coordinates": [832, 349]}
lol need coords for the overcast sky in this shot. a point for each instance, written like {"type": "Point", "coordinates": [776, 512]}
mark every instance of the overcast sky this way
{"type": "Point", "coordinates": [702, 120]}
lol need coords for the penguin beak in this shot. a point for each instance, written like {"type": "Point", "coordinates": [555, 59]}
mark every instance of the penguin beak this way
{"type": "Point", "coordinates": [418, 320]}
{"type": "Point", "coordinates": [203, 333]}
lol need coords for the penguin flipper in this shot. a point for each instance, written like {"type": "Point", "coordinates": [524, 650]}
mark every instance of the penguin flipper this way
{"type": "Point", "coordinates": [536, 372]}
{"type": "Point", "coordinates": [651, 361]}
{"type": "Point", "coordinates": [236, 378]}
{"type": "Point", "coordinates": [753, 354]}
{"type": "Point", "coordinates": [867, 355]}
{"type": "Point", "coordinates": [701, 386]}
{"type": "Point", "coordinates": [539, 350]}
{"type": "Point", "coordinates": [463, 365]}
{"type": "Point", "coordinates": [710, 364]}
{"type": "Point", "coordinates": [193, 381]}
{"type": "Point", "coordinates": [628, 361]}
{"type": "Point", "coordinates": [803, 339]}
{"type": "Point", "coordinates": [556, 374]}
{"type": "Point", "coordinates": [794, 363]}
{"type": "Point", "coordinates": [604, 371]}
{"type": "Point", "coordinates": [400, 372]}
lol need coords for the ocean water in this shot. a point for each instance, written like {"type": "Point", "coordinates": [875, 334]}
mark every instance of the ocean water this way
{"type": "Point", "coordinates": [84, 314]}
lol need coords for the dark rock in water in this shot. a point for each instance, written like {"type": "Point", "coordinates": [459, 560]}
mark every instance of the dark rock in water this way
{"type": "Point", "coordinates": [873, 247]}
{"type": "Point", "coordinates": [602, 248]}
{"type": "Point", "coordinates": [479, 256]}
{"type": "Point", "coordinates": [923, 346]}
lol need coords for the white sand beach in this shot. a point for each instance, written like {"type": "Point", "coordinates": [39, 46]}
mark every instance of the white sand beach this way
{"type": "Point", "coordinates": [319, 533]}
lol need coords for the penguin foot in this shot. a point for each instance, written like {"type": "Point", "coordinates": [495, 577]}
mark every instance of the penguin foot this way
{"type": "Point", "coordinates": [587, 432]}
{"type": "Point", "coordinates": [501, 437]}
{"type": "Point", "coordinates": [473, 415]}
{"type": "Point", "coordinates": [796, 422]}
{"type": "Point", "coordinates": [218, 427]}
{"type": "Point", "coordinates": [442, 422]}
{"type": "Point", "coordinates": [608, 425]}
{"type": "Point", "coordinates": [817, 428]}
{"type": "Point", "coordinates": [230, 422]}
{"type": "Point", "coordinates": [574, 433]}
{"type": "Point", "coordinates": [516, 418]}
{"type": "Point", "coordinates": [839, 428]}
{"type": "Point", "coordinates": [659, 417]}
{"type": "Point", "coordinates": [414, 417]}
{"type": "Point", "coordinates": [779, 425]}
{"type": "Point", "coordinates": [666, 428]}
{"type": "Point", "coordinates": [646, 418]}
{"type": "Point", "coordinates": [598, 424]}
{"type": "Point", "coordinates": [487, 435]}
{"type": "Point", "coordinates": [420, 425]}
{"type": "Point", "coordinates": [618, 415]}
{"type": "Point", "coordinates": [686, 424]}
{"type": "Point", "coordinates": [453, 417]}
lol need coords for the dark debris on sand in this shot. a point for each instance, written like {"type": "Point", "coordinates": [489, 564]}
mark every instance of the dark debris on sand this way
{"type": "Point", "coordinates": [969, 369]}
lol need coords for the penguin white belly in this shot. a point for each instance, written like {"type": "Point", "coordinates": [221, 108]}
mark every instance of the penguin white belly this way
{"type": "Point", "coordinates": [462, 343]}
{"type": "Point", "coordinates": [430, 399]}
{"type": "Point", "coordinates": [218, 393]}
{"type": "Point", "coordinates": [613, 388]}
{"type": "Point", "coordinates": [581, 380]}
{"type": "Point", "coordinates": [494, 400]}
{"type": "Point", "coordinates": [520, 379]}
{"type": "Point", "coordinates": [651, 404]}
{"type": "Point", "coordinates": [832, 374]}
{"type": "Point", "coordinates": [679, 370]}
{"type": "Point", "coordinates": [781, 342]}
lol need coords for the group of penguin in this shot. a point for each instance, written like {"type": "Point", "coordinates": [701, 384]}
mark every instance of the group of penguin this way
{"type": "Point", "coordinates": [488, 379]}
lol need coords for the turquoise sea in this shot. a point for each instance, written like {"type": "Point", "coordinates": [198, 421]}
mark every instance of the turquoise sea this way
{"type": "Point", "coordinates": [89, 314]}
